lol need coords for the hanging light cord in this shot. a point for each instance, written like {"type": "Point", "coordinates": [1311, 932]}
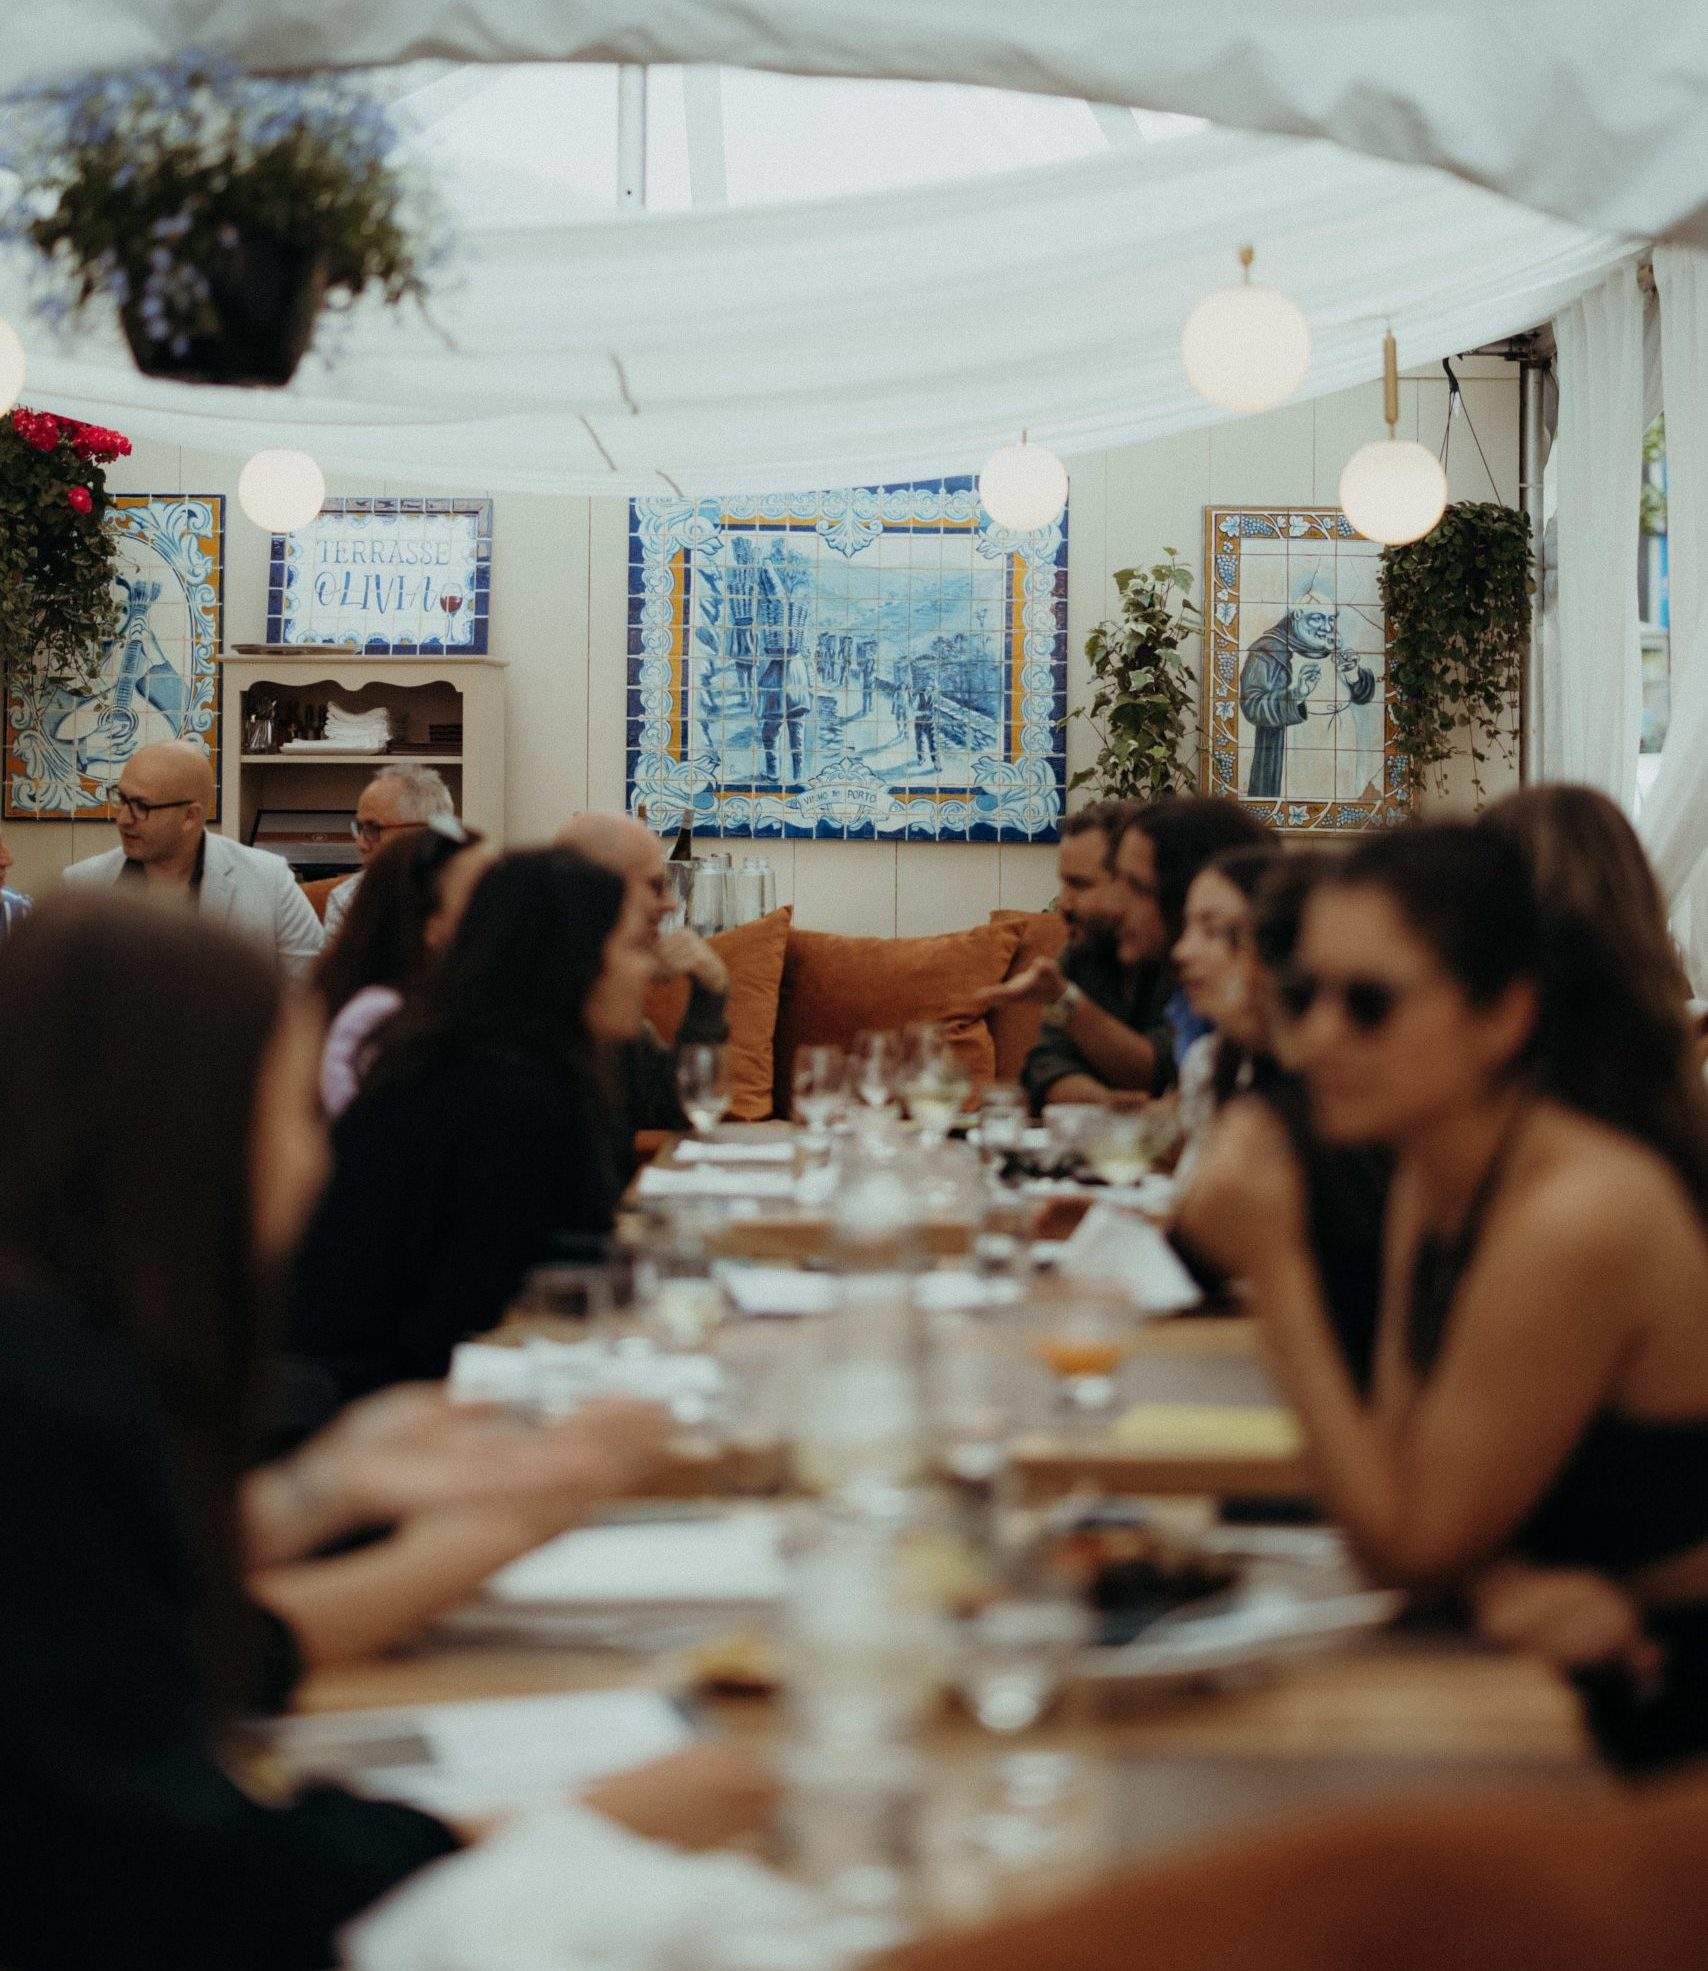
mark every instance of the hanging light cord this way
{"type": "Point", "coordinates": [1456, 402]}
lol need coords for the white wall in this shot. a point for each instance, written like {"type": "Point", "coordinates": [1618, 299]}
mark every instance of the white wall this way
{"type": "Point", "coordinates": [560, 569]}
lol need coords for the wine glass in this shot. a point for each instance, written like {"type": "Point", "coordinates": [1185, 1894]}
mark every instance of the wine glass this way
{"type": "Point", "coordinates": [820, 1084]}
{"type": "Point", "coordinates": [934, 1084]}
{"type": "Point", "coordinates": [702, 1081]}
{"type": "Point", "coordinates": [1117, 1145]}
{"type": "Point", "coordinates": [873, 1064]}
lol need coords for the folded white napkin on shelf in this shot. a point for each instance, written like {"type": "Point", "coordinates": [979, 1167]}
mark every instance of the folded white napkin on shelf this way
{"type": "Point", "coordinates": [734, 1557]}
{"type": "Point", "coordinates": [1112, 1245]}
{"type": "Point", "coordinates": [766, 1150]}
{"type": "Point", "coordinates": [712, 1181]}
{"type": "Point", "coordinates": [493, 1755]}
{"type": "Point", "coordinates": [572, 1891]}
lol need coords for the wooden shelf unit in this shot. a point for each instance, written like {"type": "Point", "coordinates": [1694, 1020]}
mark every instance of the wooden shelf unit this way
{"type": "Point", "coordinates": [416, 691]}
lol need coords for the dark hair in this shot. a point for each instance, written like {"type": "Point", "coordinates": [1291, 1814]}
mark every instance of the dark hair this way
{"type": "Point", "coordinates": [1279, 906]}
{"type": "Point", "coordinates": [1590, 872]}
{"type": "Point", "coordinates": [1111, 817]}
{"type": "Point", "coordinates": [1602, 1044]}
{"type": "Point", "coordinates": [128, 1097]}
{"type": "Point", "coordinates": [1185, 832]}
{"type": "Point", "coordinates": [1246, 869]}
{"type": "Point", "coordinates": [383, 939]}
{"type": "Point", "coordinates": [518, 972]}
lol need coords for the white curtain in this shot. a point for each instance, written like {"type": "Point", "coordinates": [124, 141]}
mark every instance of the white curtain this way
{"type": "Point", "coordinates": [770, 349]}
{"type": "Point", "coordinates": [1674, 820]}
{"type": "Point", "coordinates": [1598, 113]}
{"type": "Point", "coordinates": [1594, 697]}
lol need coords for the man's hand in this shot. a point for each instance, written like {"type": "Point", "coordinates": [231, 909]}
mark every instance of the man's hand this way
{"type": "Point", "coordinates": [1041, 984]}
{"type": "Point", "coordinates": [684, 954]}
{"type": "Point", "coordinates": [1308, 675]}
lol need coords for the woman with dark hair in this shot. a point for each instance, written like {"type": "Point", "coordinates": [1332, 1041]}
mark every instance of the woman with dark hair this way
{"type": "Point", "coordinates": [477, 1147]}
{"type": "Point", "coordinates": [134, 1329]}
{"type": "Point", "coordinates": [1346, 1184]}
{"type": "Point", "coordinates": [1541, 1384]}
{"type": "Point", "coordinates": [406, 911]}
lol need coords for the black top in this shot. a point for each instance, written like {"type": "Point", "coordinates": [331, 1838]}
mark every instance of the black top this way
{"type": "Point", "coordinates": [1138, 995]}
{"type": "Point", "coordinates": [646, 1071]}
{"type": "Point", "coordinates": [447, 1188]}
{"type": "Point", "coordinates": [1634, 1489]}
{"type": "Point", "coordinates": [125, 1843]}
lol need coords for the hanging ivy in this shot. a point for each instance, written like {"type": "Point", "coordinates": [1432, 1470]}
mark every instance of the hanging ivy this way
{"type": "Point", "coordinates": [1458, 607]}
{"type": "Point", "coordinates": [1144, 691]}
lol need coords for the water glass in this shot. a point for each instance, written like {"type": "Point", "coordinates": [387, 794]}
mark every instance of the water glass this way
{"type": "Point", "coordinates": [1070, 1124]}
{"type": "Point", "coordinates": [1117, 1145]}
{"type": "Point", "coordinates": [819, 1087]}
{"type": "Point", "coordinates": [702, 1082]}
{"type": "Point", "coordinates": [1004, 1115]}
{"type": "Point", "coordinates": [1015, 1656]}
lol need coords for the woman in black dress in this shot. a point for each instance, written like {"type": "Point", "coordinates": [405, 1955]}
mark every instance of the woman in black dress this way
{"type": "Point", "coordinates": [479, 1145]}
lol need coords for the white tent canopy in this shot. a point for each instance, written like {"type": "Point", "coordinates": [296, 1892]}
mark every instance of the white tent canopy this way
{"type": "Point", "coordinates": [1597, 113]}
{"type": "Point", "coordinates": [860, 339]}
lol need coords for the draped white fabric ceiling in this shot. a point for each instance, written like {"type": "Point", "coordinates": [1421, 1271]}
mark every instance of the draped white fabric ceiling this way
{"type": "Point", "coordinates": [759, 332]}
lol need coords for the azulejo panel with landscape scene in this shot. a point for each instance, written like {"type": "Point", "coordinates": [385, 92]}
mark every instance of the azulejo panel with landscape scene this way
{"type": "Point", "coordinates": [159, 676]}
{"type": "Point", "coordinates": [882, 661]}
{"type": "Point", "coordinates": [1296, 722]}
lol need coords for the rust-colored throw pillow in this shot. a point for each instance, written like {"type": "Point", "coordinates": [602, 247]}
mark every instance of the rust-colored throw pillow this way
{"type": "Point", "coordinates": [754, 954]}
{"type": "Point", "coordinates": [835, 987]}
{"type": "Point", "coordinates": [1014, 1029]}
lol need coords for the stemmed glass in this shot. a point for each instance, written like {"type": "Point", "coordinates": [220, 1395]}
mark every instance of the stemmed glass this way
{"type": "Point", "coordinates": [1004, 1114]}
{"type": "Point", "coordinates": [934, 1084]}
{"type": "Point", "coordinates": [820, 1086]}
{"type": "Point", "coordinates": [702, 1081]}
{"type": "Point", "coordinates": [1082, 1337]}
{"type": "Point", "coordinates": [873, 1064]}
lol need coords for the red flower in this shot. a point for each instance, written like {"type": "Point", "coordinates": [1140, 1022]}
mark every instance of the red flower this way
{"type": "Point", "coordinates": [80, 499]}
{"type": "Point", "coordinates": [38, 429]}
{"type": "Point", "coordinates": [95, 441]}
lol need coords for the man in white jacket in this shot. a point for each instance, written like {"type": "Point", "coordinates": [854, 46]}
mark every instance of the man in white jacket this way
{"type": "Point", "coordinates": [164, 796]}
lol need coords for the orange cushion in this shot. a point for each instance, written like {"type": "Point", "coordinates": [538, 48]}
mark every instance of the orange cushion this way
{"type": "Point", "coordinates": [835, 987]}
{"type": "Point", "coordinates": [1014, 1029]}
{"type": "Point", "coordinates": [321, 888]}
{"type": "Point", "coordinates": [754, 954]}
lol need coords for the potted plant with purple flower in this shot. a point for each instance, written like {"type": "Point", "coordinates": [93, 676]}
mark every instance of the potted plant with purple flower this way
{"type": "Point", "coordinates": [219, 212]}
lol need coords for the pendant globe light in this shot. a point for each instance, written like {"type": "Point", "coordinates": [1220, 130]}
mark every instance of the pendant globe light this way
{"type": "Point", "coordinates": [281, 490]}
{"type": "Point", "coordinates": [1246, 348]}
{"type": "Point", "coordinates": [1023, 487]}
{"type": "Point", "coordinates": [1393, 491]}
{"type": "Point", "coordinates": [11, 366]}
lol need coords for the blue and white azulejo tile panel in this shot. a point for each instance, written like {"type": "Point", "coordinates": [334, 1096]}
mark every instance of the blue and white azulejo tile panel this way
{"type": "Point", "coordinates": [883, 661]}
{"type": "Point", "coordinates": [159, 675]}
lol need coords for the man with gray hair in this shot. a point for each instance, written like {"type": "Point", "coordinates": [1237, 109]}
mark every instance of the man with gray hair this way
{"type": "Point", "coordinates": [399, 800]}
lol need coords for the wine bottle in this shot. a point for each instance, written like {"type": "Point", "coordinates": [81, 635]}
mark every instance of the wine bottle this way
{"type": "Point", "coordinates": [684, 849]}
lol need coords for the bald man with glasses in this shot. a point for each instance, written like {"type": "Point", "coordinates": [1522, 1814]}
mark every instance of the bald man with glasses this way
{"type": "Point", "coordinates": [162, 800]}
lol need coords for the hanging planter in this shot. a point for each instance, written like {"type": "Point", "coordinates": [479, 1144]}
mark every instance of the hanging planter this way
{"type": "Point", "coordinates": [218, 213]}
{"type": "Point", "coordinates": [263, 299]}
{"type": "Point", "coordinates": [58, 558]}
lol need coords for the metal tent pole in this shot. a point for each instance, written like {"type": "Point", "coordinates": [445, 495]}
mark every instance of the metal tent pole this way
{"type": "Point", "coordinates": [1532, 378]}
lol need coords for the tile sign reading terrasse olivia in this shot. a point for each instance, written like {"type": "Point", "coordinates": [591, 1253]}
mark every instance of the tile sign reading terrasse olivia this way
{"type": "Point", "coordinates": [877, 662]}
{"type": "Point", "coordinates": [404, 577]}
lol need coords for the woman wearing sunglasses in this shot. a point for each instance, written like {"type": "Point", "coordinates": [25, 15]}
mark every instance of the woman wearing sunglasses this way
{"type": "Point", "coordinates": [1541, 1380]}
{"type": "Point", "coordinates": [403, 916]}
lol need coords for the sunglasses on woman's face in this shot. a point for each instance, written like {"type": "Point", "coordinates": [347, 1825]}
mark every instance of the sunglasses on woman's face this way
{"type": "Point", "coordinates": [1368, 1004]}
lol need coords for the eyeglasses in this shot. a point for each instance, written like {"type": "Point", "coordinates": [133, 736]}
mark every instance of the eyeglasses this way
{"type": "Point", "coordinates": [371, 831]}
{"type": "Point", "coordinates": [1368, 1004]}
{"type": "Point", "coordinates": [143, 809]}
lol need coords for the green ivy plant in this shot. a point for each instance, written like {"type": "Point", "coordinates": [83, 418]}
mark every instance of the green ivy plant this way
{"type": "Point", "coordinates": [1143, 702]}
{"type": "Point", "coordinates": [1458, 608]}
